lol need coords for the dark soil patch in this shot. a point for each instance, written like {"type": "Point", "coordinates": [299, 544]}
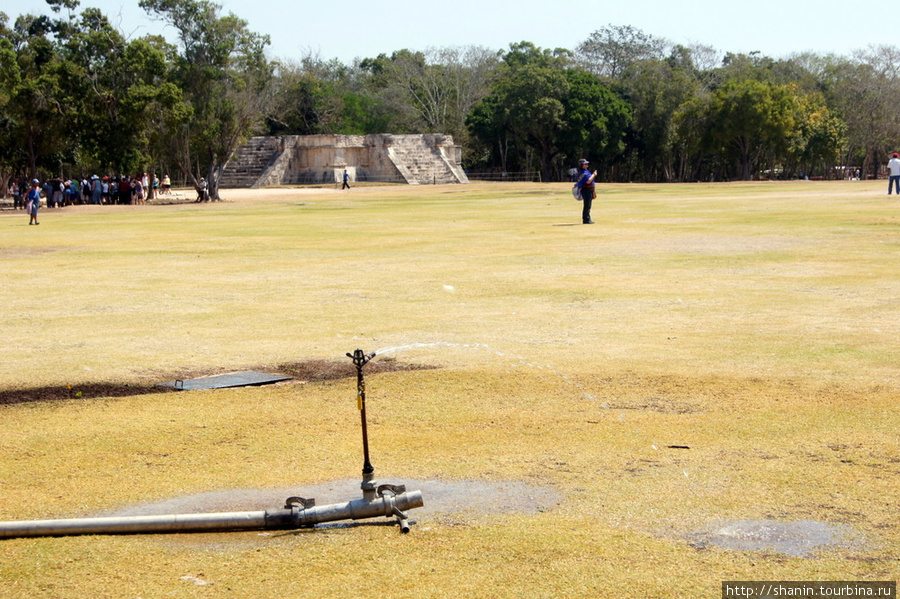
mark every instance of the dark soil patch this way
{"type": "Point", "coordinates": [309, 370]}
{"type": "Point", "coordinates": [85, 391]}
{"type": "Point", "coordinates": [323, 370]}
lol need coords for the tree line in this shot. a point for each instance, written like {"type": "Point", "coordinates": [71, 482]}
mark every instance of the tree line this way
{"type": "Point", "coordinates": [76, 95]}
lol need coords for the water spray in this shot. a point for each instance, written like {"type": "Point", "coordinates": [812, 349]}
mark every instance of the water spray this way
{"type": "Point", "coordinates": [387, 500]}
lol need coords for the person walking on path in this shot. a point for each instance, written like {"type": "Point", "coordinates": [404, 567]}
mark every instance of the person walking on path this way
{"type": "Point", "coordinates": [585, 185]}
{"type": "Point", "coordinates": [33, 202]}
{"type": "Point", "coordinates": [894, 170]}
{"type": "Point", "coordinates": [346, 184]}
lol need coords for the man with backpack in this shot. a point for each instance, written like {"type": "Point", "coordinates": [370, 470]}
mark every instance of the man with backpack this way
{"type": "Point", "coordinates": [585, 185]}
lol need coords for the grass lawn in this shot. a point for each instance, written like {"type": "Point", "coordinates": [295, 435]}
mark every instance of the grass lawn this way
{"type": "Point", "coordinates": [704, 357]}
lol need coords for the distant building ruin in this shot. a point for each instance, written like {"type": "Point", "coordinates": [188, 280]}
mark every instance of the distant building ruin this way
{"type": "Point", "coordinates": [308, 159]}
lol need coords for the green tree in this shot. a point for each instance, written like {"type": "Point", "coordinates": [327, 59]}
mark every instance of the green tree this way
{"type": "Point", "coordinates": [118, 87]}
{"type": "Point", "coordinates": [539, 107]}
{"type": "Point", "coordinates": [595, 121]}
{"type": "Point", "coordinates": [521, 54]}
{"type": "Point", "coordinates": [488, 123]}
{"type": "Point", "coordinates": [225, 76]}
{"type": "Point", "coordinates": [533, 98]}
{"type": "Point", "coordinates": [692, 136]}
{"type": "Point", "coordinates": [820, 136]}
{"type": "Point", "coordinates": [85, 98]}
{"type": "Point", "coordinates": [38, 106]}
{"type": "Point", "coordinates": [656, 89]}
{"type": "Point", "coordinates": [10, 79]}
{"type": "Point", "coordinates": [523, 115]}
{"type": "Point", "coordinates": [314, 96]}
{"type": "Point", "coordinates": [753, 119]}
{"type": "Point", "coordinates": [380, 80]}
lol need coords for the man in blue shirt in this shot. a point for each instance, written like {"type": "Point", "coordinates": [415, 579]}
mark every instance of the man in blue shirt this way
{"type": "Point", "coordinates": [585, 185]}
{"type": "Point", "coordinates": [34, 202]}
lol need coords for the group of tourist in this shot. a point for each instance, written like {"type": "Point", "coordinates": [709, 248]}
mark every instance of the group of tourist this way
{"type": "Point", "coordinates": [95, 190]}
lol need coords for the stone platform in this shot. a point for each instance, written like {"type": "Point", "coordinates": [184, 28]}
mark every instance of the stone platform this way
{"type": "Point", "coordinates": [298, 159]}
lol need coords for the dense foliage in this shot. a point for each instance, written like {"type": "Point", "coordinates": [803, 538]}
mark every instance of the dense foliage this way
{"type": "Point", "coordinates": [76, 96]}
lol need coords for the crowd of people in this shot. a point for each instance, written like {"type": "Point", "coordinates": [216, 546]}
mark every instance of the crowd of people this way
{"type": "Point", "coordinates": [94, 190]}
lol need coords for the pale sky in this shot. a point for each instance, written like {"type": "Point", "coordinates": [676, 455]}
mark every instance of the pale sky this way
{"type": "Point", "coordinates": [362, 28]}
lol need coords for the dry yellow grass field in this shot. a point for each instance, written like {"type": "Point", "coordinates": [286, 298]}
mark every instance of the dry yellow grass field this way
{"type": "Point", "coordinates": [612, 402]}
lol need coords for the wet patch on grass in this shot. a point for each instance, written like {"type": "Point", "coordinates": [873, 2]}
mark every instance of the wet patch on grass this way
{"type": "Point", "coordinates": [801, 538]}
{"type": "Point", "coordinates": [459, 501]}
{"type": "Point", "coordinates": [447, 504]}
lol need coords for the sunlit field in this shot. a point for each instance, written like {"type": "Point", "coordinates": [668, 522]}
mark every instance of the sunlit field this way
{"type": "Point", "coordinates": [613, 410]}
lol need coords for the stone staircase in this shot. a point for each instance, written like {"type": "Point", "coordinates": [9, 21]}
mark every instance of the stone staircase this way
{"type": "Point", "coordinates": [250, 161]}
{"type": "Point", "coordinates": [421, 159]}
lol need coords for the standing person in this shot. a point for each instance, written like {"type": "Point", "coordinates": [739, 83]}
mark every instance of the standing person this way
{"type": "Point", "coordinates": [894, 168]}
{"type": "Point", "coordinates": [96, 190]}
{"type": "Point", "coordinates": [67, 193]}
{"type": "Point", "coordinates": [346, 184]}
{"type": "Point", "coordinates": [137, 190]}
{"type": "Point", "coordinates": [33, 200]}
{"type": "Point", "coordinates": [124, 191]}
{"type": "Point", "coordinates": [27, 197]}
{"type": "Point", "coordinates": [58, 189]}
{"type": "Point", "coordinates": [201, 190]}
{"type": "Point", "coordinates": [585, 185]}
{"type": "Point", "coordinates": [166, 184]}
{"type": "Point", "coordinates": [47, 189]}
{"type": "Point", "coordinates": [17, 194]}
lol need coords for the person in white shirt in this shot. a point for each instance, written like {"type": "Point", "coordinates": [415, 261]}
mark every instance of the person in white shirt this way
{"type": "Point", "coordinates": [202, 191]}
{"type": "Point", "coordinates": [894, 168]}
